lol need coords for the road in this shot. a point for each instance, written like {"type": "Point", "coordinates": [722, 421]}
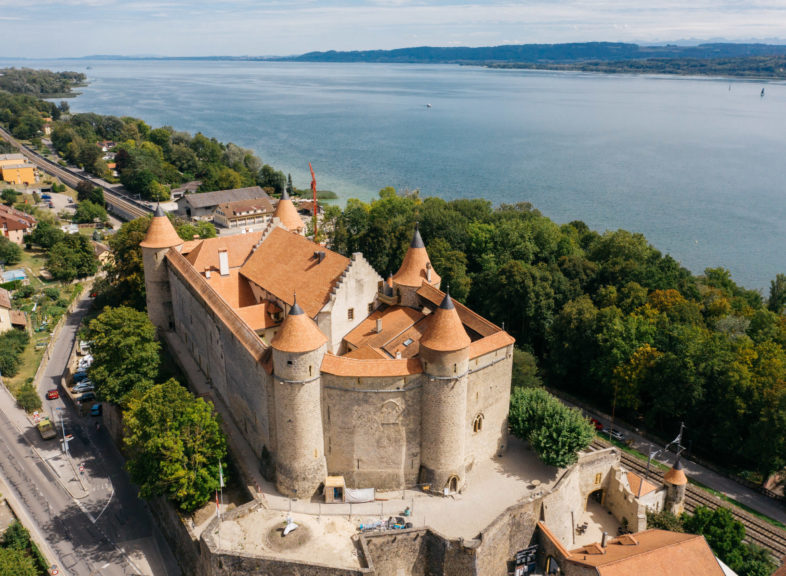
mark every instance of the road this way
{"type": "Point", "coordinates": [93, 521]}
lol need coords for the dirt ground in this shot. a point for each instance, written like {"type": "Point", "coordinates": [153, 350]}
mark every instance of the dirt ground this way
{"type": "Point", "coordinates": [320, 539]}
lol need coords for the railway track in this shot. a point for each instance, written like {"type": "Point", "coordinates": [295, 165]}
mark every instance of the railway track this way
{"type": "Point", "coordinates": [757, 531]}
{"type": "Point", "coordinates": [122, 206]}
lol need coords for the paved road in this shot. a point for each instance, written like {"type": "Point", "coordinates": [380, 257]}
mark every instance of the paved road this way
{"type": "Point", "coordinates": [92, 520]}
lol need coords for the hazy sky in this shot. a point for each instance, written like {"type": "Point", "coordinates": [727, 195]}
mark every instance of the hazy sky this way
{"type": "Point", "coordinates": [52, 28]}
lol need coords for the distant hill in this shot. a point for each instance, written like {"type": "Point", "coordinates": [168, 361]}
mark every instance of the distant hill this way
{"type": "Point", "coordinates": [541, 53]}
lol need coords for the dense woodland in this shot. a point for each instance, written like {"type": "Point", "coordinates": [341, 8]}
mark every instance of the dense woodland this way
{"type": "Point", "coordinates": [608, 317]}
{"type": "Point", "coordinates": [41, 83]}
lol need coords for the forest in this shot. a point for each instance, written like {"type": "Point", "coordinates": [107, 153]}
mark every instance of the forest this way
{"type": "Point", "coordinates": [41, 83]}
{"type": "Point", "coordinates": [607, 316]}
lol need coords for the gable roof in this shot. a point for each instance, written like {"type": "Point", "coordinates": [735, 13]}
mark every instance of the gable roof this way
{"type": "Point", "coordinates": [250, 206]}
{"type": "Point", "coordinates": [208, 199]}
{"type": "Point", "coordinates": [649, 553]}
{"type": "Point", "coordinates": [205, 255]}
{"type": "Point", "coordinates": [284, 264]}
{"type": "Point", "coordinates": [635, 482]}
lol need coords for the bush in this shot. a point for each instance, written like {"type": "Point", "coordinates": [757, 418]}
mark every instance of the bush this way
{"type": "Point", "coordinates": [52, 292]}
{"type": "Point", "coordinates": [10, 253]}
{"type": "Point", "coordinates": [24, 292]}
{"type": "Point", "coordinates": [28, 398]}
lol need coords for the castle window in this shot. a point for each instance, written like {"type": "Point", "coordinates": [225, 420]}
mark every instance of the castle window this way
{"type": "Point", "coordinates": [477, 424]}
{"type": "Point", "coordinates": [351, 314]}
{"type": "Point", "coordinates": [309, 370]}
{"type": "Point", "coordinates": [597, 478]}
{"type": "Point", "coordinates": [370, 307]}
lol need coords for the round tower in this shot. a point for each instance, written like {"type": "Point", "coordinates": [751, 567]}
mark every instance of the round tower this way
{"type": "Point", "coordinates": [415, 269]}
{"type": "Point", "coordinates": [675, 482]}
{"type": "Point", "coordinates": [444, 353]}
{"type": "Point", "coordinates": [288, 215]}
{"type": "Point", "coordinates": [160, 237]}
{"type": "Point", "coordinates": [298, 349]}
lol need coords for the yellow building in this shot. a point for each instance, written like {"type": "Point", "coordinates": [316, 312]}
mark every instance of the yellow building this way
{"type": "Point", "coordinates": [14, 169]}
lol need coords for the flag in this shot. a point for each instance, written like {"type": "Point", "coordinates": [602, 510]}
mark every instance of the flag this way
{"type": "Point", "coordinates": [218, 509]}
{"type": "Point", "coordinates": [220, 475]}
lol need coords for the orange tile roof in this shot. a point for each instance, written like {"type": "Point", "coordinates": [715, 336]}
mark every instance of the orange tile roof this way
{"type": "Point", "coordinates": [675, 475]}
{"type": "Point", "coordinates": [18, 214]}
{"type": "Point", "coordinates": [414, 333]}
{"type": "Point", "coordinates": [635, 482]}
{"type": "Point", "coordinates": [257, 316]}
{"type": "Point", "coordinates": [298, 333]}
{"type": "Point", "coordinates": [228, 316]}
{"type": "Point", "coordinates": [651, 553]}
{"type": "Point", "coordinates": [5, 299]}
{"type": "Point", "coordinates": [395, 320]}
{"type": "Point", "coordinates": [413, 268]}
{"type": "Point", "coordinates": [445, 332]}
{"type": "Point", "coordinates": [161, 233]}
{"type": "Point", "coordinates": [287, 213]}
{"type": "Point", "coordinates": [232, 288]}
{"type": "Point", "coordinates": [18, 318]}
{"type": "Point", "coordinates": [238, 247]}
{"type": "Point", "coordinates": [284, 264]}
{"type": "Point", "coordinates": [365, 353]}
{"type": "Point", "coordinates": [470, 319]}
{"type": "Point", "coordinates": [189, 245]}
{"type": "Point", "coordinates": [490, 343]}
{"type": "Point", "coordinates": [351, 367]}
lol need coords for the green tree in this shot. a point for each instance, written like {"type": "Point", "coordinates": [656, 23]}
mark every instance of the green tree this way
{"type": "Point", "coordinates": [724, 534]}
{"type": "Point", "coordinates": [10, 253]}
{"type": "Point", "coordinates": [555, 432]}
{"type": "Point", "coordinates": [175, 444]}
{"type": "Point", "coordinates": [777, 299]}
{"type": "Point", "coordinates": [72, 257]}
{"type": "Point", "coordinates": [28, 398]}
{"type": "Point", "coordinates": [525, 370]}
{"type": "Point", "coordinates": [126, 274]}
{"type": "Point", "coordinates": [125, 353]}
{"type": "Point", "coordinates": [665, 520]}
{"type": "Point", "coordinates": [202, 229]}
{"type": "Point", "coordinates": [88, 212]}
{"type": "Point", "coordinates": [9, 196]}
{"type": "Point", "coordinates": [16, 563]}
{"type": "Point", "coordinates": [45, 235]}
{"type": "Point", "coordinates": [86, 191]}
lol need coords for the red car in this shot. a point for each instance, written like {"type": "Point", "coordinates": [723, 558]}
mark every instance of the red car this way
{"type": "Point", "coordinates": [52, 395]}
{"type": "Point", "coordinates": [597, 424]}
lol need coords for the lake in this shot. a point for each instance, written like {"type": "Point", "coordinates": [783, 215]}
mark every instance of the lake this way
{"type": "Point", "coordinates": [696, 164]}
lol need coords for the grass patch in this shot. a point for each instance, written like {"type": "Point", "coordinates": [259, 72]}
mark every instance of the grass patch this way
{"type": "Point", "coordinates": [30, 360]}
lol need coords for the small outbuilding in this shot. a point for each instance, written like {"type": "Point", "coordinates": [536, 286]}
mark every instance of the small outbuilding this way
{"type": "Point", "coordinates": [334, 489]}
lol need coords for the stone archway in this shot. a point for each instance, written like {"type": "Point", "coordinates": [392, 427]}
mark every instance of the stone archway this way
{"type": "Point", "coordinates": [451, 486]}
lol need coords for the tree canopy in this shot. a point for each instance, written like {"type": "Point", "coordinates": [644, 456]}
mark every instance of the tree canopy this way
{"type": "Point", "coordinates": [71, 257]}
{"type": "Point", "coordinates": [125, 353]}
{"type": "Point", "coordinates": [175, 444]}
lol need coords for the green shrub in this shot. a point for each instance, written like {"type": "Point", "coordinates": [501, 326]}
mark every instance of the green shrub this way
{"type": "Point", "coordinates": [28, 398]}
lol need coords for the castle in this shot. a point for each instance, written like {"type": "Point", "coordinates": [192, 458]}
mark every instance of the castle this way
{"type": "Point", "coordinates": [327, 368]}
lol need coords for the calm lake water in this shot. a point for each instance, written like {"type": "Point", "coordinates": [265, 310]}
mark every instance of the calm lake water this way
{"type": "Point", "coordinates": [697, 165]}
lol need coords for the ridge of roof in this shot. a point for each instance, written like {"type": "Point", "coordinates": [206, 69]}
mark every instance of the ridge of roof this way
{"type": "Point", "coordinates": [216, 197]}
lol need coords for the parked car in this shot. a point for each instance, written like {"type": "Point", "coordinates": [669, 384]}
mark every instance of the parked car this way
{"type": "Point", "coordinates": [617, 435]}
{"type": "Point", "coordinates": [597, 424]}
{"type": "Point", "coordinates": [45, 197]}
{"type": "Point", "coordinates": [86, 397]}
{"type": "Point", "coordinates": [52, 395]}
{"type": "Point", "coordinates": [95, 410]}
{"type": "Point", "coordinates": [86, 386]}
{"type": "Point", "coordinates": [80, 376]}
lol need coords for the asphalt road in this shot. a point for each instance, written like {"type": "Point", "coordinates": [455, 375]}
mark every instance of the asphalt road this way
{"type": "Point", "coordinates": [93, 520]}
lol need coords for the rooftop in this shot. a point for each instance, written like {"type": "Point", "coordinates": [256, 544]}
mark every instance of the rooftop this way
{"type": "Point", "coordinates": [238, 247]}
{"type": "Point", "coordinates": [252, 205]}
{"type": "Point", "coordinates": [160, 233]}
{"type": "Point", "coordinates": [208, 199]}
{"type": "Point", "coordinates": [287, 213]}
{"type": "Point", "coordinates": [285, 264]}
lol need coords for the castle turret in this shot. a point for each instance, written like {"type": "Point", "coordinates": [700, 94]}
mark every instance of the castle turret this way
{"type": "Point", "coordinates": [675, 482]}
{"type": "Point", "coordinates": [444, 353]}
{"type": "Point", "coordinates": [160, 237]}
{"type": "Point", "coordinates": [288, 215]}
{"type": "Point", "coordinates": [415, 269]}
{"type": "Point", "coordinates": [298, 349]}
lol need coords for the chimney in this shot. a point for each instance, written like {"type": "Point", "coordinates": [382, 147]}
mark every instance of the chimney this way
{"type": "Point", "coordinates": [223, 262]}
{"type": "Point", "coordinates": [603, 540]}
{"type": "Point", "coordinates": [428, 271]}
{"type": "Point", "coordinates": [379, 325]}
{"type": "Point", "coordinates": [207, 273]}
{"type": "Point", "coordinates": [398, 355]}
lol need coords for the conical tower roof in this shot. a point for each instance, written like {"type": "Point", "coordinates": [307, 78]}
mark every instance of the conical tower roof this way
{"type": "Point", "coordinates": [416, 262]}
{"type": "Point", "coordinates": [161, 233]}
{"type": "Point", "coordinates": [287, 213]}
{"type": "Point", "coordinates": [675, 476]}
{"type": "Point", "coordinates": [445, 332]}
{"type": "Point", "coordinates": [298, 332]}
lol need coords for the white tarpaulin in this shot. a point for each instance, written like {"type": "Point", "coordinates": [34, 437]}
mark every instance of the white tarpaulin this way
{"type": "Point", "coordinates": [358, 495]}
